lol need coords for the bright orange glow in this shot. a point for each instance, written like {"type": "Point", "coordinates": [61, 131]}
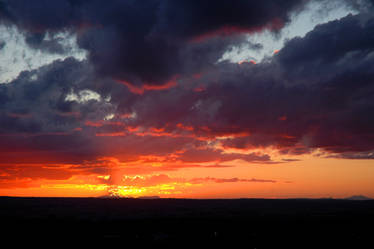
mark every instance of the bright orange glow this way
{"type": "Point", "coordinates": [310, 177]}
{"type": "Point", "coordinates": [184, 172]}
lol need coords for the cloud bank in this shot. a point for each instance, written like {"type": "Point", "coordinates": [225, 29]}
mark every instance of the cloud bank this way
{"type": "Point", "coordinates": [154, 90]}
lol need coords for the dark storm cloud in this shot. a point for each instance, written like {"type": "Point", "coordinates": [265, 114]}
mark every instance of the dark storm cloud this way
{"type": "Point", "coordinates": [329, 43]}
{"type": "Point", "coordinates": [53, 45]}
{"type": "Point", "coordinates": [358, 155]}
{"type": "Point", "coordinates": [151, 42]}
{"type": "Point", "coordinates": [38, 123]}
{"type": "Point", "coordinates": [35, 101]}
{"type": "Point", "coordinates": [317, 92]}
{"type": "Point", "coordinates": [37, 16]}
{"type": "Point", "coordinates": [2, 44]}
{"type": "Point", "coordinates": [334, 63]}
{"type": "Point", "coordinates": [146, 42]}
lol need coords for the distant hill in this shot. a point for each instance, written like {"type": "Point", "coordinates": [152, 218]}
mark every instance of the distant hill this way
{"type": "Point", "coordinates": [358, 198]}
{"type": "Point", "coordinates": [113, 197]}
{"type": "Point", "coordinates": [124, 197]}
{"type": "Point", "coordinates": [149, 197]}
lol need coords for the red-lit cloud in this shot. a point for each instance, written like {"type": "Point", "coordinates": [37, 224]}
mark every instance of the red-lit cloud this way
{"type": "Point", "coordinates": [157, 98]}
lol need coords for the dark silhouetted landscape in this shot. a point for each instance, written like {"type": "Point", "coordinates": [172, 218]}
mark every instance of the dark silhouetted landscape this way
{"type": "Point", "coordinates": [175, 223]}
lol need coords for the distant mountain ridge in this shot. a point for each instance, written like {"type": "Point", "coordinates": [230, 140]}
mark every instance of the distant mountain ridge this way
{"type": "Point", "coordinates": [149, 197]}
{"type": "Point", "coordinates": [358, 198]}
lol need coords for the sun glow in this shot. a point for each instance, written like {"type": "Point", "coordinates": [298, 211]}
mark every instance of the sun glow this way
{"type": "Point", "coordinates": [164, 189]}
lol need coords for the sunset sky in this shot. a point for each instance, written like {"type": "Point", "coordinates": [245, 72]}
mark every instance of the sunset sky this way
{"type": "Point", "coordinates": [187, 98]}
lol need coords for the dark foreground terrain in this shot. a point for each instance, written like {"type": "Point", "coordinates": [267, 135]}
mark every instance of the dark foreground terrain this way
{"type": "Point", "coordinates": [177, 223]}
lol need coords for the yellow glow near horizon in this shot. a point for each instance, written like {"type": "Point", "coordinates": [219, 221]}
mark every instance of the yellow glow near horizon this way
{"type": "Point", "coordinates": [311, 176]}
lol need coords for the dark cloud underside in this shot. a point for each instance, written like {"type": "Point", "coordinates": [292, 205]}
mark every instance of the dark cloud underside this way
{"type": "Point", "coordinates": [317, 92]}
